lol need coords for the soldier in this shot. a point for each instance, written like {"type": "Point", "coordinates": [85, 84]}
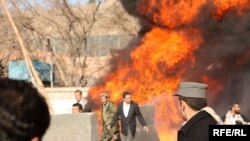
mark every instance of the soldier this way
{"type": "Point", "coordinates": [195, 112]}
{"type": "Point", "coordinates": [108, 111]}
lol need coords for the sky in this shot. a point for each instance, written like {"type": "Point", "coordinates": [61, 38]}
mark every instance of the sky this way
{"type": "Point", "coordinates": [70, 1]}
{"type": "Point", "coordinates": [76, 1]}
{"type": "Point", "coordinates": [80, 1]}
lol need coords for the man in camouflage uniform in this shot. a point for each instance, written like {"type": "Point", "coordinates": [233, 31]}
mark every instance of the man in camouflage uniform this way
{"type": "Point", "coordinates": [108, 111]}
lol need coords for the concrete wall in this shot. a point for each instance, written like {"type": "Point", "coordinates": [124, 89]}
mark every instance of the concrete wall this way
{"type": "Point", "coordinates": [148, 114]}
{"type": "Point", "coordinates": [73, 127]}
{"type": "Point", "coordinates": [62, 98]}
{"type": "Point", "coordinates": [83, 127]}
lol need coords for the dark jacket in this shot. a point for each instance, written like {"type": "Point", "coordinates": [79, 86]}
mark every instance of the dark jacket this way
{"type": "Point", "coordinates": [130, 120]}
{"type": "Point", "coordinates": [196, 129]}
{"type": "Point", "coordinates": [87, 107]}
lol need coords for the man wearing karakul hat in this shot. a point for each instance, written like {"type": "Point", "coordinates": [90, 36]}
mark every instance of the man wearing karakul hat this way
{"type": "Point", "coordinates": [195, 113]}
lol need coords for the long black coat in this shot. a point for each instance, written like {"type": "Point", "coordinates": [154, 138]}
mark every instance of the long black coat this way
{"type": "Point", "coordinates": [87, 107]}
{"type": "Point", "coordinates": [130, 120]}
{"type": "Point", "coordinates": [196, 129]}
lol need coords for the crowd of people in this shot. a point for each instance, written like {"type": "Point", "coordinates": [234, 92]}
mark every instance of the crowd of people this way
{"type": "Point", "coordinates": [193, 105]}
{"type": "Point", "coordinates": [126, 112]}
{"type": "Point", "coordinates": [24, 114]}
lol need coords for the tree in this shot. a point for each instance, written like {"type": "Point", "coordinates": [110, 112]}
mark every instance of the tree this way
{"type": "Point", "coordinates": [60, 23]}
{"type": "Point", "coordinates": [63, 29]}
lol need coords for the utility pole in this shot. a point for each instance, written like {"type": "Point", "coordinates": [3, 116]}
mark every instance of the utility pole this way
{"type": "Point", "coordinates": [34, 76]}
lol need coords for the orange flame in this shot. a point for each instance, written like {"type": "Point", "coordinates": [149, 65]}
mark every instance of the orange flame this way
{"type": "Point", "coordinates": [158, 64]}
{"type": "Point", "coordinates": [170, 13]}
{"type": "Point", "coordinates": [225, 5]}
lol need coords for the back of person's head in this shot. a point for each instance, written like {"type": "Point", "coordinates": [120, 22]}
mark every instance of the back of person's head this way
{"type": "Point", "coordinates": [195, 104]}
{"type": "Point", "coordinates": [194, 94]}
{"type": "Point", "coordinates": [24, 113]}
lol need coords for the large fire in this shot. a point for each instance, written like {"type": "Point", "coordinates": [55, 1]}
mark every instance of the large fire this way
{"type": "Point", "coordinates": [225, 5]}
{"type": "Point", "coordinates": [159, 63]}
{"type": "Point", "coordinates": [170, 13]}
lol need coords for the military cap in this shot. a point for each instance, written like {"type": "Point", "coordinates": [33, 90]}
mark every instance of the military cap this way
{"type": "Point", "coordinates": [192, 89]}
{"type": "Point", "coordinates": [104, 94]}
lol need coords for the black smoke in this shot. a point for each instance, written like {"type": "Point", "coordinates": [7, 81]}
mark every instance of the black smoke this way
{"type": "Point", "coordinates": [225, 55]}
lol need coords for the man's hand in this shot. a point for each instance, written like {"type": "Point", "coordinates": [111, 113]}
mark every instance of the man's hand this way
{"type": "Point", "coordinates": [145, 128]}
{"type": "Point", "coordinates": [108, 127]}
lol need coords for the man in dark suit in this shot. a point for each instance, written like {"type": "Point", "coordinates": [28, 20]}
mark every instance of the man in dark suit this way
{"type": "Point", "coordinates": [196, 114]}
{"type": "Point", "coordinates": [128, 111]}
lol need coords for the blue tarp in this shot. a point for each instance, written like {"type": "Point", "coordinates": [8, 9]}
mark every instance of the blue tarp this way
{"type": "Point", "coordinates": [17, 70]}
